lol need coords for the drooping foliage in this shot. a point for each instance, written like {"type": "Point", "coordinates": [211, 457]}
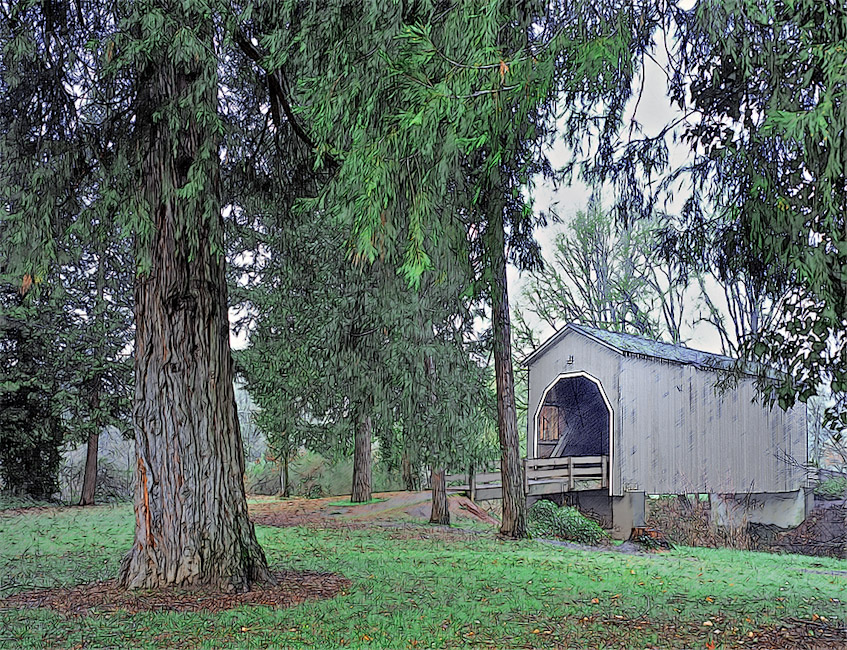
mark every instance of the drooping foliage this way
{"type": "Point", "coordinates": [761, 89]}
{"type": "Point", "coordinates": [435, 117]}
{"type": "Point", "coordinates": [770, 94]}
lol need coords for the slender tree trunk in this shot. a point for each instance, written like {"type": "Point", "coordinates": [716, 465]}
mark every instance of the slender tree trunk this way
{"type": "Point", "coordinates": [409, 479]}
{"type": "Point", "coordinates": [362, 462]}
{"type": "Point", "coordinates": [440, 512]}
{"type": "Point", "coordinates": [191, 522]}
{"type": "Point", "coordinates": [89, 477]}
{"type": "Point", "coordinates": [286, 479]}
{"type": "Point", "coordinates": [514, 502]}
{"type": "Point", "coordinates": [440, 509]}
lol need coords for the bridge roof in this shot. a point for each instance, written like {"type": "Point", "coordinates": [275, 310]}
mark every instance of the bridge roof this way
{"type": "Point", "coordinates": [628, 344]}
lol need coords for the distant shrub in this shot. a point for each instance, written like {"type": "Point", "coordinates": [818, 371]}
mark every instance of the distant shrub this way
{"type": "Point", "coordinates": [546, 519]}
{"type": "Point", "coordinates": [313, 476]}
{"type": "Point", "coordinates": [114, 480]}
{"type": "Point", "coordinates": [262, 478]}
{"type": "Point", "coordinates": [832, 488]}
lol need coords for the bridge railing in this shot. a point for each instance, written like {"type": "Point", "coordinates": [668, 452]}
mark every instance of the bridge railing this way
{"type": "Point", "coordinates": [539, 474]}
{"type": "Point", "coordinates": [567, 470]}
{"type": "Point", "coordinates": [473, 482]}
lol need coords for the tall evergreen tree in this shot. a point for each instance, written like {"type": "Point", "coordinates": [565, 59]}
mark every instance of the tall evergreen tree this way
{"type": "Point", "coordinates": [97, 291]}
{"type": "Point", "coordinates": [437, 117]}
{"type": "Point", "coordinates": [33, 391]}
{"type": "Point", "coordinates": [149, 75]}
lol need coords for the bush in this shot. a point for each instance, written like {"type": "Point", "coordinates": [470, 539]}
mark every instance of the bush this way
{"type": "Point", "coordinates": [546, 519]}
{"type": "Point", "coordinates": [689, 522]}
{"type": "Point", "coordinates": [313, 476]}
{"type": "Point", "coordinates": [832, 488]}
{"type": "Point", "coordinates": [261, 477]}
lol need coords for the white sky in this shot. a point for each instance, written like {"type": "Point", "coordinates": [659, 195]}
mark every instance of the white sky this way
{"type": "Point", "coordinates": [654, 112]}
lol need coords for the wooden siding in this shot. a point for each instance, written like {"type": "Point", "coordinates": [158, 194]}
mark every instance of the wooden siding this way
{"type": "Point", "coordinates": [681, 434]}
{"type": "Point", "coordinates": [593, 358]}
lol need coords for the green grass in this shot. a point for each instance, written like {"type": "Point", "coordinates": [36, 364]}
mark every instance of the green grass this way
{"type": "Point", "coordinates": [832, 488]}
{"type": "Point", "coordinates": [426, 591]}
{"type": "Point", "coordinates": [348, 503]}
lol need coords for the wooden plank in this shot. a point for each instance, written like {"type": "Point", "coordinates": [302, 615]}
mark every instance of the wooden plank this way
{"type": "Point", "coordinates": [556, 462]}
{"type": "Point", "coordinates": [563, 473]}
{"type": "Point", "coordinates": [458, 488]}
{"type": "Point", "coordinates": [538, 489]}
{"type": "Point", "coordinates": [488, 493]}
{"type": "Point", "coordinates": [570, 473]}
{"type": "Point", "coordinates": [488, 477]}
{"type": "Point", "coordinates": [605, 481]}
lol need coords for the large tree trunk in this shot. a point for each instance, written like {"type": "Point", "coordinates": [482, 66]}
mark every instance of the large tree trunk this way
{"type": "Point", "coordinates": [191, 522]}
{"type": "Point", "coordinates": [362, 462]}
{"type": "Point", "coordinates": [440, 509]}
{"type": "Point", "coordinates": [514, 502]}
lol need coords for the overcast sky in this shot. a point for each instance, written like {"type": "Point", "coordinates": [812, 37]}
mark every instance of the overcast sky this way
{"type": "Point", "coordinates": [654, 112]}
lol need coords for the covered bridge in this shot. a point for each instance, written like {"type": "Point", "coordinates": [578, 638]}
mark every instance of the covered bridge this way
{"type": "Point", "coordinates": [652, 415]}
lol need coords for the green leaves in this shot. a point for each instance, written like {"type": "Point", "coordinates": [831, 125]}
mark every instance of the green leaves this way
{"type": "Point", "coordinates": [776, 74]}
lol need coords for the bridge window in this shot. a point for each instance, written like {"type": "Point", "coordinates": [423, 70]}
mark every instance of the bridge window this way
{"type": "Point", "coordinates": [549, 424]}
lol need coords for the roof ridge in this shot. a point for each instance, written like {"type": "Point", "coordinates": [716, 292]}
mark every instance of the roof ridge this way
{"type": "Point", "coordinates": [676, 346]}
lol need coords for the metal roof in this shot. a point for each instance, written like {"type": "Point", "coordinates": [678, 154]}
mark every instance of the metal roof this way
{"type": "Point", "coordinates": [635, 345]}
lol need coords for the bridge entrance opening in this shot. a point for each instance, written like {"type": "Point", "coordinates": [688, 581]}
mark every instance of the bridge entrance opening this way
{"type": "Point", "coordinates": [574, 419]}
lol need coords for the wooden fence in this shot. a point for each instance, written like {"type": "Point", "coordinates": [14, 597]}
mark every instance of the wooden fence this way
{"type": "Point", "coordinates": [540, 476]}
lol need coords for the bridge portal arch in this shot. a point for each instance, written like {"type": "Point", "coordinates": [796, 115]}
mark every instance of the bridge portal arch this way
{"type": "Point", "coordinates": [573, 418]}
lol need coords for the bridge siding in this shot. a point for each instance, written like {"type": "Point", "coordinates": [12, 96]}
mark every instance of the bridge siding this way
{"type": "Point", "coordinates": [673, 432]}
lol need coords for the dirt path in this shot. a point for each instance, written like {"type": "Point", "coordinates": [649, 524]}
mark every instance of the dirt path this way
{"type": "Point", "coordinates": [397, 508]}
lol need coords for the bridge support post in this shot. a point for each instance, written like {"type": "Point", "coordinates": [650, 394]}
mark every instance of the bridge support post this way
{"type": "Point", "coordinates": [627, 513]}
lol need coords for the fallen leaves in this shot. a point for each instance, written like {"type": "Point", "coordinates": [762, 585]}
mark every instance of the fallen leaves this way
{"type": "Point", "coordinates": [291, 588]}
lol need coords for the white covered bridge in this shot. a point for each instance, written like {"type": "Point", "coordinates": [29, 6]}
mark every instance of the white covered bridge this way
{"type": "Point", "coordinates": [613, 417]}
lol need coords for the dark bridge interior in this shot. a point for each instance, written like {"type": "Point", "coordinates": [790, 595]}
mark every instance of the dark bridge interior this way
{"type": "Point", "coordinates": [574, 420]}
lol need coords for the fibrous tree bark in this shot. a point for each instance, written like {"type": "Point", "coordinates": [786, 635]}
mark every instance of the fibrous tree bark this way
{"type": "Point", "coordinates": [514, 503]}
{"type": "Point", "coordinates": [89, 477]}
{"type": "Point", "coordinates": [362, 461]}
{"type": "Point", "coordinates": [440, 509]}
{"type": "Point", "coordinates": [192, 527]}
{"type": "Point", "coordinates": [410, 481]}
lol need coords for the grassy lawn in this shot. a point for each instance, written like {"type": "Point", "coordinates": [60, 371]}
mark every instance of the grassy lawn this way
{"type": "Point", "coordinates": [413, 589]}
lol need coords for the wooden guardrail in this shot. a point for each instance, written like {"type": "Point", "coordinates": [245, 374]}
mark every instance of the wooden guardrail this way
{"type": "Point", "coordinates": [540, 476]}
{"type": "Point", "coordinates": [567, 470]}
{"type": "Point", "coordinates": [472, 483]}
